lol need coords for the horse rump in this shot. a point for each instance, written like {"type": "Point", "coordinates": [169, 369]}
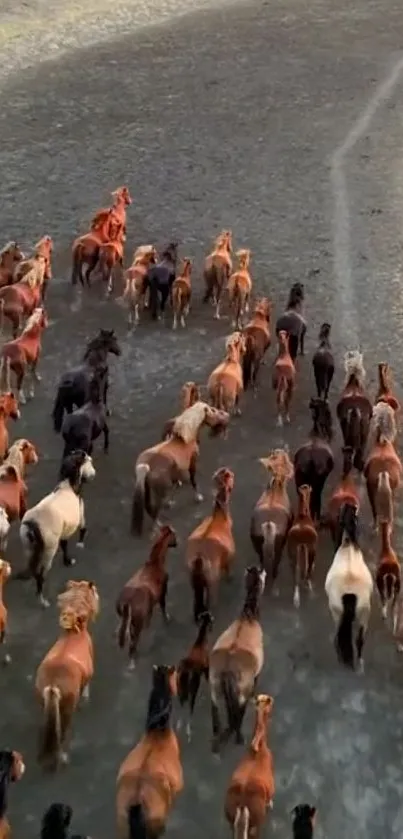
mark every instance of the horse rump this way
{"type": "Point", "coordinates": [50, 735]}
{"type": "Point", "coordinates": [344, 635]}
{"type": "Point", "coordinates": [34, 547]}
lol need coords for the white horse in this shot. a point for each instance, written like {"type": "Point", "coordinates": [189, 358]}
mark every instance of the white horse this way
{"type": "Point", "coordinates": [349, 586]}
{"type": "Point", "coordinates": [54, 521]}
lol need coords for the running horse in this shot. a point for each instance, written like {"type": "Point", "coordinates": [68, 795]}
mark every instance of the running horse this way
{"type": "Point", "coordinates": [10, 256]}
{"type": "Point", "coordinates": [23, 352]}
{"type": "Point", "coordinates": [136, 282]}
{"type": "Point", "coordinates": [160, 279]}
{"type": "Point", "coordinates": [18, 301]}
{"type": "Point", "coordinates": [107, 227]}
{"type": "Point", "coordinates": [115, 216]}
{"type": "Point", "coordinates": [354, 409]}
{"type": "Point", "coordinates": [257, 341]}
{"type": "Point", "coordinates": [217, 269]}
{"type": "Point", "coordinates": [42, 251]}
{"type": "Point", "coordinates": [293, 321]}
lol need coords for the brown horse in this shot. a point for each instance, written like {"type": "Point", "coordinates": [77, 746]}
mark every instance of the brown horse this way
{"type": "Point", "coordinates": [388, 575]}
{"type": "Point", "coordinates": [239, 288]}
{"type": "Point", "coordinates": [354, 409]}
{"type": "Point", "coordinates": [169, 463]}
{"type": "Point", "coordinates": [181, 294]}
{"type": "Point", "coordinates": [302, 541]}
{"type": "Point", "coordinates": [217, 269]}
{"type": "Point", "coordinates": [345, 492]}
{"type": "Point", "coordinates": [115, 215]}
{"type": "Point", "coordinates": [225, 384]}
{"type": "Point", "coordinates": [110, 255]}
{"type": "Point", "coordinates": [12, 768]}
{"type": "Point", "coordinates": [190, 394]}
{"type": "Point", "coordinates": [5, 573]}
{"type": "Point", "coordinates": [13, 489]}
{"type": "Point", "coordinates": [385, 383]}
{"type": "Point", "coordinates": [10, 256]}
{"type": "Point", "coordinates": [141, 594]}
{"type": "Point", "coordinates": [64, 675]}
{"type": "Point", "coordinates": [151, 776]}
{"type": "Point", "coordinates": [39, 263]}
{"type": "Point", "coordinates": [236, 661]}
{"type": "Point", "coordinates": [272, 516]}
{"type": "Point", "coordinates": [23, 353]}
{"type": "Point", "coordinates": [314, 460]}
{"type": "Point", "coordinates": [383, 468]}
{"type": "Point", "coordinates": [251, 789]}
{"type": "Point", "coordinates": [283, 379]}
{"type": "Point", "coordinates": [257, 341]}
{"type": "Point", "coordinates": [192, 668]}
{"type": "Point", "coordinates": [134, 294]}
{"type": "Point", "coordinates": [20, 300]}
{"type": "Point", "coordinates": [85, 249]}
{"type": "Point", "coordinates": [211, 546]}
{"type": "Point", "coordinates": [8, 407]}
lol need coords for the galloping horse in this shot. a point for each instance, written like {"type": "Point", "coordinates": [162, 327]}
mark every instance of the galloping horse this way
{"type": "Point", "coordinates": [181, 294]}
{"type": "Point", "coordinates": [272, 515]}
{"type": "Point", "coordinates": [239, 288]}
{"type": "Point", "coordinates": [23, 353]}
{"type": "Point", "coordinates": [257, 341]}
{"type": "Point", "coordinates": [19, 301]}
{"type": "Point", "coordinates": [217, 269]}
{"type": "Point", "coordinates": [160, 279]}
{"type": "Point", "coordinates": [136, 281]}
{"type": "Point", "coordinates": [10, 256]}
{"type": "Point", "coordinates": [42, 251]}
{"type": "Point", "coordinates": [354, 409]}
{"type": "Point", "coordinates": [314, 460]}
{"type": "Point", "coordinates": [225, 383]}
{"type": "Point", "coordinates": [115, 215]}
{"type": "Point", "coordinates": [293, 321]}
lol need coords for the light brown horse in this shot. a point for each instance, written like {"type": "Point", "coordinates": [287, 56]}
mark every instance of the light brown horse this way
{"type": "Point", "coordinates": [190, 393]}
{"type": "Point", "coordinates": [225, 384]}
{"type": "Point", "coordinates": [10, 256]}
{"type": "Point", "coordinates": [217, 269]}
{"type": "Point", "coordinates": [24, 352]}
{"type": "Point", "coordinates": [169, 463]}
{"type": "Point", "coordinates": [151, 776]}
{"type": "Point", "coordinates": [345, 492]}
{"type": "Point", "coordinates": [181, 294]}
{"type": "Point", "coordinates": [134, 294]}
{"type": "Point", "coordinates": [257, 341]}
{"type": "Point", "coordinates": [283, 379]}
{"type": "Point", "coordinates": [211, 546]}
{"type": "Point", "coordinates": [302, 541]}
{"type": "Point", "coordinates": [12, 769]}
{"type": "Point", "coordinates": [272, 516]}
{"type": "Point", "coordinates": [13, 489]}
{"type": "Point", "coordinates": [354, 408]}
{"type": "Point", "coordinates": [141, 594]}
{"type": "Point", "coordinates": [64, 675]}
{"type": "Point", "coordinates": [19, 301]}
{"type": "Point", "coordinates": [85, 249]}
{"type": "Point", "coordinates": [239, 288]}
{"type": "Point", "coordinates": [40, 264]}
{"type": "Point", "coordinates": [110, 255]}
{"type": "Point", "coordinates": [383, 468]}
{"type": "Point", "coordinates": [115, 215]}
{"type": "Point", "coordinates": [388, 576]}
{"type": "Point", "coordinates": [385, 387]}
{"type": "Point", "coordinates": [9, 408]}
{"type": "Point", "coordinates": [5, 573]}
{"type": "Point", "coordinates": [251, 789]}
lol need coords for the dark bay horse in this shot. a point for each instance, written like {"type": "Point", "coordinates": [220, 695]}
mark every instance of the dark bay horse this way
{"type": "Point", "coordinates": [293, 321]}
{"type": "Point", "coordinates": [73, 388]}
{"type": "Point", "coordinates": [314, 461]}
{"type": "Point", "coordinates": [160, 279]}
{"type": "Point", "coordinates": [81, 428]}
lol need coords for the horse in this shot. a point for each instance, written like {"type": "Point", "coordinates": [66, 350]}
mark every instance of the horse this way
{"type": "Point", "coordinates": [251, 789]}
{"type": "Point", "coordinates": [190, 394]}
{"type": "Point", "coordinates": [349, 588]}
{"type": "Point", "coordinates": [239, 288]}
{"type": "Point", "coordinates": [283, 378]}
{"type": "Point", "coordinates": [10, 256]}
{"type": "Point", "coordinates": [110, 255]}
{"type": "Point", "coordinates": [181, 294]}
{"type": "Point", "coordinates": [64, 675]}
{"type": "Point", "coordinates": [257, 341]}
{"type": "Point", "coordinates": [56, 822]}
{"type": "Point", "coordinates": [12, 768]}
{"type": "Point", "coordinates": [323, 363]}
{"type": "Point", "coordinates": [81, 428]}
{"type": "Point", "coordinates": [9, 408]}
{"type": "Point", "coordinates": [39, 263]}
{"type": "Point", "coordinates": [85, 249]}
{"type": "Point", "coordinates": [345, 492]}
{"type": "Point", "coordinates": [302, 541]}
{"type": "Point", "coordinates": [272, 515]}
{"type": "Point", "coordinates": [19, 301]}
{"type": "Point", "coordinates": [192, 668]}
{"type": "Point", "coordinates": [136, 282]}
{"type": "Point", "coordinates": [388, 576]}
{"type": "Point", "coordinates": [151, 776]}
{"type": "Point", "coordinates": [211, 547]}
{"type": "Point", "coordinates": [167, 464]}
{"type": "Point", "coordinates": [145, 589]}
{"type": "Point", "coordinates": [73, 387]}
{"type": "Point", "coordinates": [236, 661]}
{"type": "Point", "coordinates": [160, 280]}
{"type": "Point", "coordinates": [217, 270]}
{"type": "Point", "coordinates": [23, 353]}
{"type": "Point", "coordinates": [293, 321]}
{"type": "Point", "coordinates": [116, 214]}
{"type": "Point", "coordinates": [5, 574]}
{"type": "Point", "coordinates": [314, 460]}
{"type": "Point", "coordinates": [225, 383]}
{"type": "Point", "coordinates": [383, 468]}
{"type": "Point", "coordinates": [13, 490]}
{"type": "Point", "coordinates": [354, 409]}
{"type": "Point", "coordinates": [385, 392]}
{"type": "Point", "coordinates": [303, 823]}
{"type": "Point", "coordinates": [54, 520]}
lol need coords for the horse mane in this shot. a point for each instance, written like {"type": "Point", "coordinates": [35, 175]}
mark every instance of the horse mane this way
{"type": "Point", "coordinates": [279, 464]}
{"type": "Point", "coordinates": [56, 820]}
{"type": "Point", "coordinates": [383, 425]}
{"type": "Point", "coordinates": [14, 456]}
{"type": "Point", "coordinates": [142, 251]}
{"type": "Point", "coordinates": [354, 368]}
{"type": "Point", "coordinates": [250, 608]}
{"type": "Point", "coordinates": [243, 257]}
{"type": "Point", "coordinates": [33, 319]}
{"type": "Point", "coordinates": [187, 424]}
{"type": "Point", "coordinates": [348, 525]}
{"type": "Point", "coordinates": [7, 248]}
{"type": "Point", "coordinates": [9, 470]}
{"type": "Point", "coordinates": [70, 470]}
{"type": "Point", "coordinates": [94, 344]}
{"type": "Point", "coordinates": [78, 604]}
{"type": "Point", "coordinates": [160, 702]}
{"type": "Point", "coordinates": [324, 332]}
{"type": "Point", "coordinates": [234, 338]}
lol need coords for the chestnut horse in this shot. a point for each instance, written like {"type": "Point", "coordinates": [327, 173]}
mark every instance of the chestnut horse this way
{"type": "Point", "coordinates": [12, 769]}
{"type": "Point", "coordinates": [85, 249]}
{"type": "Point", "coordinates": [383, 468]}
{"type": "Point", "coordinates": [314, 460]}
{"type": "Point", "coordinates": [43, 270]}
{"type": "Point", "coordinates": [192, 668]}
{"type": "Point", "coordinates": [190, 394]}
{"type": "Point", "coordinates": [167, 464]}
{"type": "Point", "coordinates": [283, 378]}
{"type": "Point", "coordinates": [251, 789]}
{"type": "Point", "coordinates": [217, 269]}
{"type": "Point", "coordinates": [388, 576]}
{"type": "Point", "coordinates": [10, 256]}
{"type": "Point", "coordinates": [354, 409]}
{"type": "Point", "coordinates": [13, 489]}
{"type": "Point", "coordinates": [5, 573]}
{"type": "Point", "coordinates": [8, 407]}
{"type": "Point", "coordinates": [64, 675]}
{"type": "Point", "coordinates": [151, 776]}
{"type": "Point", "coordinates": [385, 392]}
{"type": "Point", "coordinates": [302, 543]}
{"type": "Point", "coordinates": [110, 255]}
{"type": "Point", "coordinates": [239, 288]}
{"type": "Point", "coordinates": [257, 340]}
{"type": "Point", "coordinates": [345, 492]}
{"type": "Point", "coordinates": [225, 384]}
{"type": "Point", "coordinates": [211, 546]}
{"type": "Point", "coordinates": [141, 594]}
{"type": "Point", "coordinates": [134, 292]}
{"type": "Point", "coordinates": [272, 516]}
{"type": "Point", "coordinates": [116, 214]}
{"type": "Point", "coordinates": [23, 353]}
{"type": "Point", "coordinates": [181, 294]}
{"type": "Point", "coordinates": [20, 300]}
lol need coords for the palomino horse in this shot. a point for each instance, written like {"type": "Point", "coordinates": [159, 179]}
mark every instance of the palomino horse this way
{"type": "Point", "coordinates": [293, 321]}
{"type": "Point", "coordinates": [141, 594]}
{"type": "Point", "coordinates": [160, 279]}
{"type": "Point", "coordinates": [388, 576]}
{"type": "Point", "coordinates": [323, 363]}
{"type": "Point", "coordinates": [19, 301]}
{"type": "Point", "coordinates": [383, 468]}
{"type": "Point", "coordinates": [251, 789]}
{"type": "Point", "coordinates": [41, 270]}
{"type": "Point", "coordinates": [211, 547]}
{"type": "Point", "coordinates": [10, 256]}
{"type": "Point", "coordinates": [283, 378]}
{"type": "Point", "coordinates": [239, 288]}
{"type": "Point", "coordinates": [169, 463]}
{"type": "Point", "coordinates": [182, 293]}
{"type": "Point", "coordinates": [345, 492]}
{"type": "Point", "coordinates": [385, 389]}
{"type": "Point", "coordinates": [354, 409]}
{"type": "Point", "coordinates": [236, 661]}
{"type": "Point", "coordinates": [64, 675]}
{"type": "Point", "coordinates": [23, 353]}
{"type": "Point", "coordinates": [151, 776]}
{"type": "Point", "coordinates": [136, 282]}
{"type": "Point", "coordinates": [5, 573]}
{"type": "Point", "coordinates": [257, 341]}
{"type": "Point", "coordinates": [302, 541]}
{"type": "Point", "coordinates": [217, 269]}
{"type": "Point", "coordinates": [116, 214]}
{"type": "Point", "coordinates": [225, 384]}
{"type": "Point", "coordinates": [8, 406]}
{"type": "Point", "coordinates": [314, 461]}
{"type": "Point", "coordinates": [272, 515]}
{"type": "Point", "coordinates": [12, 768]}
{"type": "Point", "coordinates": [190, 394]}
{"type": "Point", "coordinates": [192, 668]}
{"type": "Point", "coordinates": [349, 587]}
{"type": "Point", "coordinates": [13, 489]}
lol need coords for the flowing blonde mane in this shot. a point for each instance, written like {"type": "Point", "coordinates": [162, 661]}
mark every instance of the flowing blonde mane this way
{"type": "Point", "coordinates": [382, 426]}
{"type": "Point", "coordinates": [187, 424]}
{"type": "Point", "coordinates": [354, 366]}
{"type": "Point", "coordinates": [142, 251]}
{"type": "Point", "coordinates": [8, 247]}
{"type": "Point", "coordinates": [15, 458]}
{"type": "Point", "coordinates": [279, 464]}
{"type": "Point", "coordinates": [33, 319]}
{"type": "Point", "coordinates": [78, 604]}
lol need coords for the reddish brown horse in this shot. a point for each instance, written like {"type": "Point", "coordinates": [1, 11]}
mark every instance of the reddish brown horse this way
{"type": "Point", "coordinates": [302, 544]}
{"type": "Point", "coordinates": [10, 256]}
{"type": "Point", "coordinates": [217, 269]}
{"type": "Point", "coordinates": [5, 573]}
{"type": "Point", "coordinates": [110, 256]}
{"type": "Point", "coordinates": [115, 216]}
{"type": "Point", "coordinates": [181, 294]}
{"type": "Point", "coordinates": [272, 515]}
{"type": "Point", "coordinates": [42, 250]}
{"type": "Point", "coordinates": [18, 301]}
{"type": "Point", "coordinates": [385, 389]}
{"type": "Point", "coordinates": [283, 378]}
{"type": "Point", "coordinates": [192, 668]}
{"type": "Point", "coordinates": [257, 341]}
{"type": "Point", "coordinates": [8, 409]}
{"type": "Point", "coordinates": [354, 409]}
{"type": "Point", "coordinates": [24, 352]}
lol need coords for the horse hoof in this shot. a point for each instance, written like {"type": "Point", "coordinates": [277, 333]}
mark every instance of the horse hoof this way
{"type": "Point", "coordinates": [38, 377]}
{"type": "Point", "coordinates": [189, 732]}
{"type": "Point", "coordinates": [179, 725]}
{"type": "Point", "coordinates": [64, 758]}
{"type": "Point", "coordinates": [237, 412]}
{"type": "Point", "coordinates": [360, 667]}
{"type": "Point", "coordinates": [80, 545]}
{"type": "Point", "coordinates": [21, 399]}
{"type": "Point", "coordinates": [131, 666]}
{"type": "Point", "coordinates": [198, 497]}
{"type": "Point", "coordinates": [287, 419]}
{"type": "Point", "coordinates": [44, 603]}
{"type": "Point", "coordinates": [279, 422]}
{"type": "Point", "coordinates": [7, 659]}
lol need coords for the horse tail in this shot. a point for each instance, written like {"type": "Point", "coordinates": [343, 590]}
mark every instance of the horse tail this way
{"type": "Point", "coordinates": [124, 628]}
{"type": "Point", "coordinates": [138, 505]}
{"type": "Point", "coordinates": [200, 588]}
{"type": "Point", "coordinates": [300, 571]}
{"type": "Point", "coordinates": [50, 743]}
{"type": "Point", "coordinates": [269, 543]}
{"type": "Point", "coordinates": [137, 822]}
{"type": "Point", "coordinates": [106, 260]}
{"type": "Point", "coordinates": [247, 361]}
{"type": "Point", "coordinates": [230, 693]}
{"type": "Point", "coordinates": [58, 411]}
{"type": "Point", "coordinates": [344, 636]}
{"type": "Point", "coordinates": [33, 544]}
{"type": "Point", "coordinates": [241, 823]}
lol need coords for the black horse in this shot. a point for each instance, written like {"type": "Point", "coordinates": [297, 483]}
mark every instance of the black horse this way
{"type": "Point", "coordinates": [160, 279]}
{"type": "Point", "coordinates": [56, 823]}
{"type": "Point", "coordinates": [293, 321]}
{"type": "Point", "coordinates": [81, 428]}
{"type": "Point", "coordinates": [323, 363]}
{"type": "Point", "coordinates": [314, 461]}
{"type": "Point", "coordinates": [73, 388]}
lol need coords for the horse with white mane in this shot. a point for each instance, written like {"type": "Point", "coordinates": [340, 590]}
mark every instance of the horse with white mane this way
{"type": "Point", "coordinates": [383, 469]}
{"type": "Point", "coordinates": [354, 409]}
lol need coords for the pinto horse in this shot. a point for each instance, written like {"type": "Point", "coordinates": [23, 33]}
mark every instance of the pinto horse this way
{"type": "Point", "coordinates": [293, 321]}
{"type": "Point", "coordinates": [239, 288]}
{"type": "Point", "coordinates": [383, 469]}
{"type": "Point", "coordinates": [192, 668]}
{"type": "Point", "coordinates": [5, 573]}
{"type": "Point", "coordinates": [23, 353]}
{"type": "Point", "coordinates": [314, 461]}
{"type": "Point", "coordinates": [12, 768]}
{"type": "Point", "coordinates": [323, 363]}
{"type": "Point", "coordinates": [167, 464]}
{"type": "Point", "coordinates": [181, 294]}
{"type": "Point", "coordinates": [272, 515]}
{"type": "Point", "coordinates": [64, 675]}
{"type": "Point", "coordinates": [41, 269]}
{"type": "Point", "coordinates": [302, 543]}
{"type": "Point", "coordinates": [225, 383]}
{"type": "Point", "coordinates": [136, 282]}
{"type": "Point", "coordinates": [145, 589]}
{"type": "Point", "coordinates": [160, 279]}
{"type": "Point", "coordinates": [354, 409]}
{"type": "Point", "coordinates": [217, 270]}
{"type": "Point", "coordinates": [190, 394]}
{"type": "Point", "coordinates": [151, 776]}
{"type": "Point", "coordinates": [10, 256]}
{"type": "Point", "coordinates": [385, 392]}
{"type": "Point", "coordinates": [211, 546]}
{"type": "Point", "coordinates": [283, 378]}
{"type": "Point", "coordinates": [257, 341]}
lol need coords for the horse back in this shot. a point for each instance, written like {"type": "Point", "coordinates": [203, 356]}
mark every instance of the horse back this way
{"type": "Point", "coordinates": [242, 643]}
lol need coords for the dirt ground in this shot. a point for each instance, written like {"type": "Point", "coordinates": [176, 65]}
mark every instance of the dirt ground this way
{"type": "Point", "coordinates": [225, 118]}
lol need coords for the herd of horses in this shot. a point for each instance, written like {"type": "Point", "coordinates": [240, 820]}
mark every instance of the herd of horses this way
{"type": "Point", "coordinates": [151, 776]}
